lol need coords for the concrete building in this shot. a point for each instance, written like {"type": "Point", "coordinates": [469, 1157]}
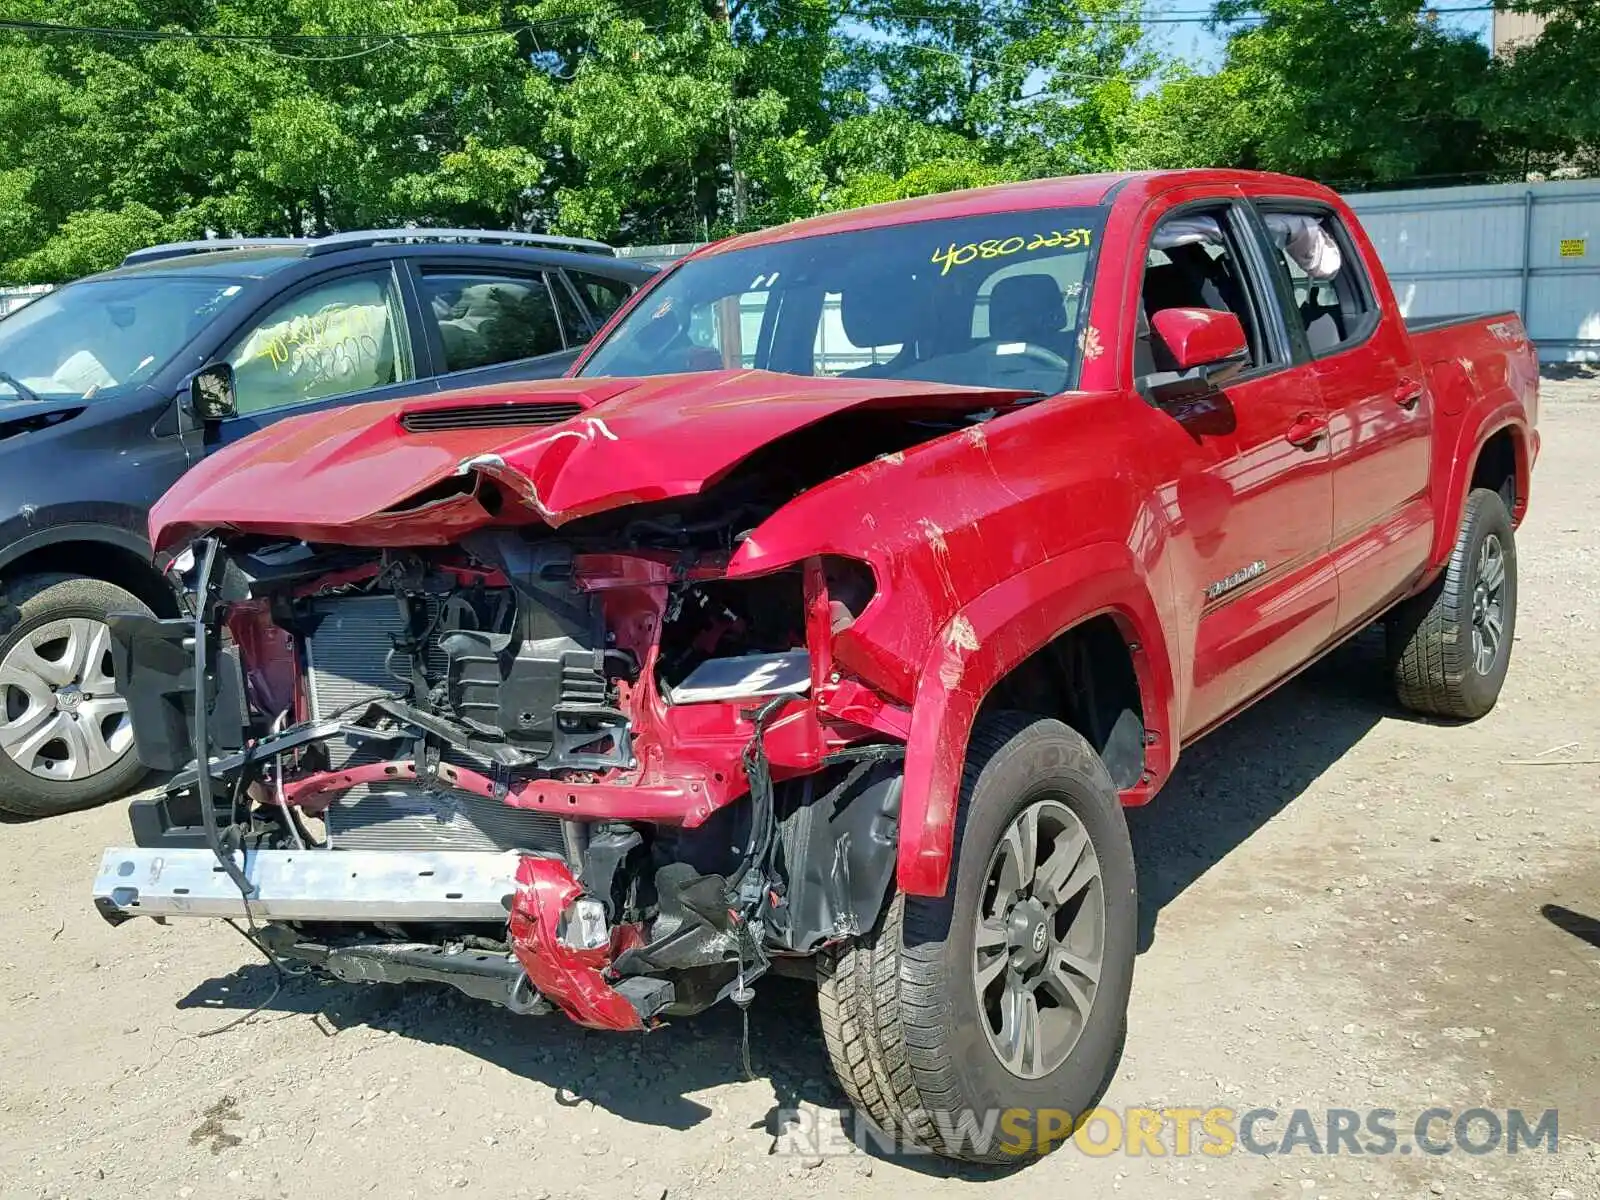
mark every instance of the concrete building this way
{"type": "Point", "coordinates": [1512, 28]}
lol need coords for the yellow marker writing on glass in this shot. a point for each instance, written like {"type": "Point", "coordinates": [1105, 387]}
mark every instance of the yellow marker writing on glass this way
{"type": "Point", "coordinates": [960, 256]}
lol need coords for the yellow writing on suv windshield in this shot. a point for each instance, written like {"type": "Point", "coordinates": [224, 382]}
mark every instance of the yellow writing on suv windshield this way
{"type": "Point", "coordinates": [960, 256]}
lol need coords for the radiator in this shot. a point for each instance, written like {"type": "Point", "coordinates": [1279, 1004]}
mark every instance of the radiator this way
{"type": "Point", "coordinates": [345, 657]}
{"type": "Point", "coordinates": [344, 666]}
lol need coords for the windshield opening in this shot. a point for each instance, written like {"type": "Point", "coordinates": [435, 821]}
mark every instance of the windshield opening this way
{"type": "Point", "coordinates": [987, 301]}
{"type": "Point", "coordinates": [101, 336]}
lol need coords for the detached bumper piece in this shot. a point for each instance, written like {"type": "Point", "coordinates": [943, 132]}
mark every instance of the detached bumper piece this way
{"type": "Point", "coordinates": [308, 885]}
{"type": "Point", "coordinates": [565, 955]}
{"type": "Point", "coordinates": [562, 948]}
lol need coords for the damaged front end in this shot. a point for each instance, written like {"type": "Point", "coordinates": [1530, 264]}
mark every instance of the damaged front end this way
{"type": "Point", "coordinates": [576, 769]}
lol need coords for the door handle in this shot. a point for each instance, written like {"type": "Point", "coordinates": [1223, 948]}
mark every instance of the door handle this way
{"type": "Point", "coordinates": [1407, 394]}
{"type": "Point", "coordinates": [1307, 431]}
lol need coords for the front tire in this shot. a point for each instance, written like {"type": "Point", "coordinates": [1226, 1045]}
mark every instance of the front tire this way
{"type": "Point", "coordinates": [66, 741]}
{"type": "Point", "coordinates": [1010, 992]}
{"type": "Point", "coordinates": [1452, 644]}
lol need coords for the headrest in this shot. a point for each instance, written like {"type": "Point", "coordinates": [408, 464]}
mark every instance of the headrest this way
{"type": "Point", "coordinates": [877, 311]}
{"type": "Point", "coordinates": [1026, 308]}
{"type": "Point", "coordinates": [481, 300]}
{"type": "Point", "coordinates": [1192, 257]}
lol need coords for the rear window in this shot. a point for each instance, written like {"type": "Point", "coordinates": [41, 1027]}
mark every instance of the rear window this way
{"type": "Point", "coordinates": [487, 319]}
{"type": "Point", "coordinates": [1331, 295]}
{"type": "Point", "coordinates": [604, 296]}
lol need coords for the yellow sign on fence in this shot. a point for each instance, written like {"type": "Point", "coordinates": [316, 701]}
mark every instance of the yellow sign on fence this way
{"type": "Point", "coordinates": [1574, 247]}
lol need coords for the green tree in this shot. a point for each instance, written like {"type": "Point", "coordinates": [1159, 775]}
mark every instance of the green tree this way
{"type": "Point", "coordinates": [1541, 99]}
{"type": "Point", "coordinates": [639, 120]}
{"type": "Point", "coordinates": [113, 142]}
{"type": "Point", "coordinates": [1349, 91]}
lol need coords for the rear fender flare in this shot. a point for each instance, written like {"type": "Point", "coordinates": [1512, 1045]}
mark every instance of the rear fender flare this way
{"type": "Point", "coordinates": [1474, 436]}
{"type": "Point", "coordinates": [987, 639]}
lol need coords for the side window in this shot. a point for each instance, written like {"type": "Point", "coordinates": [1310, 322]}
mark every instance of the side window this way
{"type": "Point", "coordinates": [488, 319]}
{"type": "Point", "coordinates": [1330, 291]}
{"type": "Point", "coordinates": [333, 339]}
{"type": "Point", "coordinates": [1193, 262]}
{"type": "Point", "coordinates": [574, 320]}
{"type": "Point", "coordinates": [604, 295]}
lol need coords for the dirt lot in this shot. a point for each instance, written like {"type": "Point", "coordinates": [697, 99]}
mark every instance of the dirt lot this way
{"type": "Point", "coordinates": [1343, 908]}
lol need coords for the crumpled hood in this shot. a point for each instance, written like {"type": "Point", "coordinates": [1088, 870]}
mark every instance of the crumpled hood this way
{"type": "Point", "coordinates": [358, 476]}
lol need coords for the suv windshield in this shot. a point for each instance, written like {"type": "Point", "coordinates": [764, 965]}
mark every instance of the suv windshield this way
{"type": "Point", "coordinates": [102, 335]}
{"type": "Point", "coordinates": [988, 301]}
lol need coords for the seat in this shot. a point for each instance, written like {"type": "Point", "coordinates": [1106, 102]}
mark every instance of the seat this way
{"type": "Point", "coordinates": [869, 322]}
{"type": "Point", "coordinates": [1211, 284]}
{"type": "Point", "coordinates": [1030, 309]}
{"type": "Point", "coordinates": [1323, 322]}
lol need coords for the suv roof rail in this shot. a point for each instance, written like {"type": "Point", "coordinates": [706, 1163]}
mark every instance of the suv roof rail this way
{"type": "Point", "coordinates": [358, 238]}
{"type": "Point", "coordinates": [208, 246]}
{"type": "Point", "coordinates": [373, 237]}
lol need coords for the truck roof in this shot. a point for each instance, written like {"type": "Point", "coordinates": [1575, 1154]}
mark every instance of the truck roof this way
{"type": "Point", "coordinates": [1065, 192]}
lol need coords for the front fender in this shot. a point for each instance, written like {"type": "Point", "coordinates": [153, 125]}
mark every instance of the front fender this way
{"type": "Point", "coordinates": [984, 641]}
{"type": "Point", "coordinates": [97, 524]}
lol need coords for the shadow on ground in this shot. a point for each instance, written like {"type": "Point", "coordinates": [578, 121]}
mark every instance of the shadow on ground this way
{"type": "Point", "coordinates": [1564, 371]}
{"type": "Point", "coordinates": [1232, 783]}
{"type": "Point", "coordinates": [1226, 788]}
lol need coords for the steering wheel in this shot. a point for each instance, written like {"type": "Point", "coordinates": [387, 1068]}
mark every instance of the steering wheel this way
{"type": "Point", "coordinates": [1038, 355]}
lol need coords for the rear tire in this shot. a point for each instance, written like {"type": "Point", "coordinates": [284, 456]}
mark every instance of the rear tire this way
{"type": "Point", "coordinates": [1451, 646]}
{"type": "Point", "coordinates": [55, 677]}
{"type": "Point", "coordinates": [918, 1041]}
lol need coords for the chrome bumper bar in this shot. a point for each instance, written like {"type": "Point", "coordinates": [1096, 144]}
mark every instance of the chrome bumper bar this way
{"type": "Point", "coordinates": [308, 885]}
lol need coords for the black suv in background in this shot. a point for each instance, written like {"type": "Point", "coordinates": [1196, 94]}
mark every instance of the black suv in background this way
{"type": "Point", "coordinates": [97, 421]}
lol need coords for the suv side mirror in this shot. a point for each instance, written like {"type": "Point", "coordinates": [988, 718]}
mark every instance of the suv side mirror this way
{"type": "Point", "coordinates": [211, 393]}
{"type": "Point", "coordinates": [1204, 338]}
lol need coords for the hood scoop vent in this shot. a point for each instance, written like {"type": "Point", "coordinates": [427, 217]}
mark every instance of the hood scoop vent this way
{"type": "Point", "coordinates": [489, 416]}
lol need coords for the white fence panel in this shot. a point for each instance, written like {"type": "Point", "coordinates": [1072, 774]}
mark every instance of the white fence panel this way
{"type": "Point", "coordinates": [1532, 248]}
{"type": "Point", "coordinates": [14, 298]}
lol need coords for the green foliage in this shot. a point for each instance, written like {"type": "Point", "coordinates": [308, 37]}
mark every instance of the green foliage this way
{"type": "Point", "coordinates": [1355, 91]}
{"type": "Point", "coordinates": [1543, 95]}
{"type": "Point", "coordinates": [926, 179]}
{"type": "Point", "coordinates": [667, 120]}
{"type": "Point", "coordinates": [90, 239]}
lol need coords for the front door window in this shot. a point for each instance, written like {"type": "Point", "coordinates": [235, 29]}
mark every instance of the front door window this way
{"type": "Point", "coordinates": [333, 339]}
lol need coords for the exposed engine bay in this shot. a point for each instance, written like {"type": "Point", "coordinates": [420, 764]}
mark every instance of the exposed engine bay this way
{"type": "Point", "coordinates": [582, 772]}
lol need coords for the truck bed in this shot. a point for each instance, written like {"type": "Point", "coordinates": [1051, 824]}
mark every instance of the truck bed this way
{"type": "Point", "coordinates": [1416, 325]}
{"type": "Point", "coordinates": [1495, 343]}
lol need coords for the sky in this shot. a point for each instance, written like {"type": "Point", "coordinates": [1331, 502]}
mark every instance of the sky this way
{"type": "Point", "coordinates": [1198, 45]}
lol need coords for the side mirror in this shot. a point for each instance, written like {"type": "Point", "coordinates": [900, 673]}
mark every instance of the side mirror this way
{"type": "Point", "coordinates": [1203, 338]}
{"type": "Point", "coordinates": [211, 393]}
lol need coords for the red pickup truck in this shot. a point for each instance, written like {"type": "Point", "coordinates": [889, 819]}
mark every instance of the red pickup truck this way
{"type": "Point", "coordinates": [824, 621]}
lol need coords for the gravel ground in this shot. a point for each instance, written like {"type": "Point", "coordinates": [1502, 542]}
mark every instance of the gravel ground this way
{"type": "Point", "coordinates": [1343, 907]}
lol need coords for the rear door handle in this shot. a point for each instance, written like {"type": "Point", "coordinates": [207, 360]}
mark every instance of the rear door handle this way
{"type": "Point", "coordinates": [1307, 431]}
{"type": "Point", "coordinates": [1407, 394]}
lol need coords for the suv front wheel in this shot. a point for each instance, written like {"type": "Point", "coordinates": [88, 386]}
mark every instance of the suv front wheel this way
{"type": "Point", "coordinates": [66, 741]}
